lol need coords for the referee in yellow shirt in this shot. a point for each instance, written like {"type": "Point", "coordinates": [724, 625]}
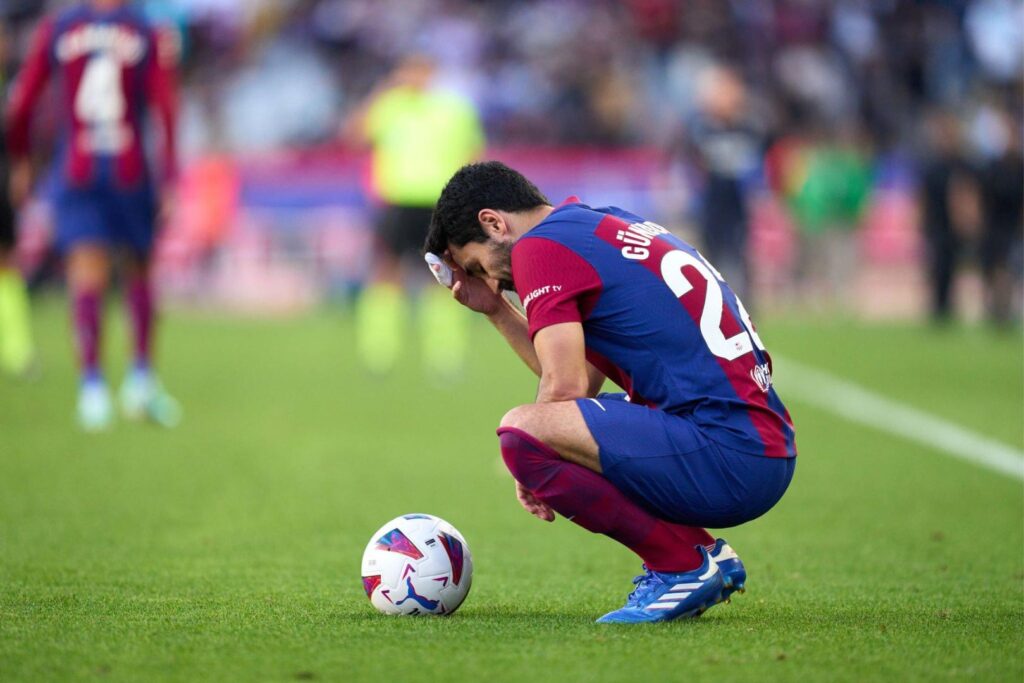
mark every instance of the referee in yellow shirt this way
{"type": "Point", "coordinates": [419, 137]}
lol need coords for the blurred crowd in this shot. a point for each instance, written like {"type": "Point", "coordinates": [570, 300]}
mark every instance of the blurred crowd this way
{"type": "Point", "coordinates": [266, 72]}
{"type": "Point", "coordinates": [810, 99]}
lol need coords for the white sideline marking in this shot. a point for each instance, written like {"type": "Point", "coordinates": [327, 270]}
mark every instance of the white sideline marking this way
{"type": "Point", "coordinates": [857, 404]}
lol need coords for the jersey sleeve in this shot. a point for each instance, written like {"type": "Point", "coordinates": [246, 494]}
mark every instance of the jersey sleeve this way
{"type": "Point", "coordinates": [27, 90]}
{"type": "Point", "coordinates": [555, 284]}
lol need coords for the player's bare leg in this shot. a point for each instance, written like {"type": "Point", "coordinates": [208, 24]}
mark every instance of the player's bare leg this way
{"type": "Point", "coordinates": [88, 273]}
{"type": "Point", "coordinates": [674, 556]}
{"type": "Point", "coordinates": [141, 311]}
{"type": "Point", "coordinates": [561, 429]}
{"type": "Point", "coordinates": [142, 393]}
{"type": "Point", "coordinates": [559, 425]}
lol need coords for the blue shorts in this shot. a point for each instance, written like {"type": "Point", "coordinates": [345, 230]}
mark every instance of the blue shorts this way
{"type": "Point", "coordinates": [101, 213]}
{"type": "Point", "coordinates": [666, 464]}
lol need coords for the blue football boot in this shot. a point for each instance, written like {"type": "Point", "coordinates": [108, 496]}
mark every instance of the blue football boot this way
{"type": "Point", "coordinates": [734, 574]}
{"type": "Point", "coordinates": [662, 596]}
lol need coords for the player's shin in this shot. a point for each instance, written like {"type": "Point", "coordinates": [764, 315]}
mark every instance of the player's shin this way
{"type": "Point", "coordinates": [94, 405]}
{"type": "Point", "coordinates": [141, 312]}
{"type": "Point", "coordinates": [86, 314]}
{"type": "Point", "coordinates": [591, 501]}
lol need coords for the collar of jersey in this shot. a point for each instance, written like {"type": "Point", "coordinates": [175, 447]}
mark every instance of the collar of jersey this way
{"type": "Point", "coordinates": [572, 199]}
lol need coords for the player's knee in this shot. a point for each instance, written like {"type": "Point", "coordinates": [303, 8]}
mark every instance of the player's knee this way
{"type": "Point", "coordinates": [88, 268]}
{"type": "Point", "coordinates": [520, 417]}
{"type": "Point", "coordinates": [524, 454]}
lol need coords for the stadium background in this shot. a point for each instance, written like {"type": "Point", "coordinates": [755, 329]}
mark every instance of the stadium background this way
{"type": "Point", "coordinates": [271, 195]}
{"type": "Point", "coordinates": [227, 549]}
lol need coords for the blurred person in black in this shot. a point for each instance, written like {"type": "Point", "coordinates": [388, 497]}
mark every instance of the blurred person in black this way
{"type": "Point", "coordinates": [1002, 251]}
{"type": "Point", "coordinates": [950, 206]}
{"type": "Point", "coordinates": [726, 150]}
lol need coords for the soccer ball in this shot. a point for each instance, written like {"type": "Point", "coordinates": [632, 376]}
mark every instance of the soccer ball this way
{"type": "Point", "coordinates": [417, 564]}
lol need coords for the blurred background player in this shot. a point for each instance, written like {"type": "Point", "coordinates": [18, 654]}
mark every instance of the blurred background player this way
{"type": "Point", "coordinates": [727, 150]}
{"type": "Point", "coordinates": [110, 64]}
{"type": "Point", "coordinates": [16, 352]}
{"type": "Point", "coordinates": [951, 206]}
{"type": "Point", "coordinates": [1002, 248]}
{"type": "Point", "coordinates": [419, 135]}
{"type": "Point", "coordinates": [833, 183]}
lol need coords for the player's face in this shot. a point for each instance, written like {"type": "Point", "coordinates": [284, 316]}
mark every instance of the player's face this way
{"type": "Point", "coordinates": [490, 260]}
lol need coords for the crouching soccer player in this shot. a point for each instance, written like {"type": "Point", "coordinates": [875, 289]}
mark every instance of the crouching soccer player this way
{"type": "Point", "coordinates": [111, 64]}
{"type": "Point", "coordinates": [699, 439]}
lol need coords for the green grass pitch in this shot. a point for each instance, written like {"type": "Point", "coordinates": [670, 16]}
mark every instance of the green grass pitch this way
{"type": "Point", "coordinates": [229, 548]}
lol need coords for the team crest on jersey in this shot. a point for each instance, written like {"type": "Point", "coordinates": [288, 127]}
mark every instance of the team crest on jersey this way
{"type": "Point", "coordinates": [762, 375]}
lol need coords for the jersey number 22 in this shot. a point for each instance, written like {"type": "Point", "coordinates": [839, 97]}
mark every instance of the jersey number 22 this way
{"type": "Point", "coordinates": [729, 348]}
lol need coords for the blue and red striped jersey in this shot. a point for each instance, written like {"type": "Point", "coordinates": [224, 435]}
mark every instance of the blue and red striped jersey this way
{"type": "Point", "coordinates": [658, 320]}
{"type": "Point", "coordinates": [111, 65]}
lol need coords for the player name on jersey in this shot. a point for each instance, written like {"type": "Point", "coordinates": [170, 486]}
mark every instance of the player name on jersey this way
{"type": "Point", "coordinates": [115, 41]}
{"type": "Point", "coordinates": [638, 237]}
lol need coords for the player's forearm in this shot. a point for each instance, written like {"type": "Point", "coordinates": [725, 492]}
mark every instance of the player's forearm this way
{"type": "Point", "coordinates": [164, 96]}
{"type": "Point", "coordinates": [561, 350]}
{"type": "Point", "coordinates": [552, 390]}
{"type": "Point", "coordinates": [564, 381]}
{"type": "Point", "coordinates": [19, 117]}
{"type": "Point", "coordinates": [170, 156]}
{"type": "Point", "coordinates": [169, 113]}
{"type": "Point", "coordinates": [513, 327]}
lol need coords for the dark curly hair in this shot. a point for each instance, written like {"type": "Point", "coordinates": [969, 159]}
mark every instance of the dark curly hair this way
{"type": "Point", "coordinates": [484, 185]}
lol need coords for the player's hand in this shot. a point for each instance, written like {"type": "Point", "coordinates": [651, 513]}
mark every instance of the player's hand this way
{"type": "Point", "coordinates": [20, 184]}
{"type": "Point", "coordinates": [475, 294]}
{"type": "Point", "coordinates": [533, 505]}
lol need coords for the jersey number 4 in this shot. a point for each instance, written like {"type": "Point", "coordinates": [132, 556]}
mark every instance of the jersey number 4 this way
{"type": "Point", "coordinates": [100, 98]}
{"type": "Point", "coordinates": [729, 348]}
